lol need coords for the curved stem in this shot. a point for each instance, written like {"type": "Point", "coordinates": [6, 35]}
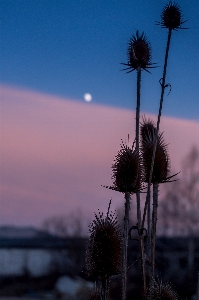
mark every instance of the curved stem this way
{"type": "Point", "coordinates": [158, 121]}
{"type": "Point", "coordinates": [163, 79]}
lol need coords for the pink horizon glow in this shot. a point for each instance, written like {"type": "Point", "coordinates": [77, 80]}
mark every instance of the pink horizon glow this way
{"type": "Point", "coordinates": [56, 153]}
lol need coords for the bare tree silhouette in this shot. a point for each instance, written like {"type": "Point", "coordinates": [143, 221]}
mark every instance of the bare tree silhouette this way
{"type": "Point", "coordinates": [73, 224]}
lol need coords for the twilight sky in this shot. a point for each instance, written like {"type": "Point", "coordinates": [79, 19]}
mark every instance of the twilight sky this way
{"type": "Point", "coordinates": [68, 48]}
{"type": "Point", "coordinates": [56, 150]}
{"type": "Point", "coordinates": [56, 153]}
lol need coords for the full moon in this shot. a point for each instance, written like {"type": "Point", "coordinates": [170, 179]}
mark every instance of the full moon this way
{"type": "Point", "coordinates": [87, 97]}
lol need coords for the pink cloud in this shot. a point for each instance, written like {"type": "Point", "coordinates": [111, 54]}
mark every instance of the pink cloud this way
{"type": "Point", "coordinates": [56, 153]}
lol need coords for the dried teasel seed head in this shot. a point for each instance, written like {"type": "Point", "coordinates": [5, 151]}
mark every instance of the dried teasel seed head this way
{"type": "Point", "coordinates": [127, 171]}
{"type": "Point", "coordinates": [161, 290]}
{"type": "Point", "coordinates": [161, 169]}
{"type": "Point", "coordinates": [148, 130]}
{"type": "Point", "coordinates": [171, 16]}
{"type": "Point", "coordinates": [139, 53]}
{"type": "Point", "coordinates": [104, 249]}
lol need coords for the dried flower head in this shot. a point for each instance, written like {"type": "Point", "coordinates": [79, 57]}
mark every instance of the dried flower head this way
{"type": "Point", "coordinates": [171, 16]}
{"type": "Point", "coordinates": [139, 53]}
{"type": "Point", "coordinates": [161, 169]}
{"type": "Point", "coordinates": [148, 130]}
{"type": "Point", "coordinates": [127, 171]}
{"type": "Point", "coordinates": [104, 249]}
{"type": "Point", "coordinates": [161, 290]}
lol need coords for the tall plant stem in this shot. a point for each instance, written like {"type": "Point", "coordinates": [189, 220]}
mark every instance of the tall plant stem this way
{"type": "Point", "coordinates": [141, 240]}
{"type": "Point", "coordinates": [158, 122]}
{"type": "Point", "coordinates": [163, 83]}
{"type": "Point", "coordinates": [153, 228]}
{"type": "Point", "coordinates": [147, 202]}
{"type": "Point", "coordinates": [149, 217]}
{"type": "Point", "coordinates": [139, 218]}
{"type": "Point", "coordinates": [125, 244]}
{"type": "Point", "coordinates": [104, 291]}
{"type": "Point", "coordinates": [198, 287]}
{"type": "Point", "coordinates": [148, 245]}
{"type": "Point", "coordinates": [137, 131]}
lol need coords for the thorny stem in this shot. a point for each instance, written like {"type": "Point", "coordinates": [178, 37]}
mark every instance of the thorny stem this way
{"type": "Point", "coordinates": [153, 229]}
{"type": "Point", "coordinates": [139, 70]}
{"type": "Point", "coordinates": [125, 244]}
{"type": "Point", "coordinates": [158, 122]}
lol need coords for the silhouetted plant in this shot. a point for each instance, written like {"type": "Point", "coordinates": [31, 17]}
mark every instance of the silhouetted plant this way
{"type": "Point", "coordinates": [161, 169]}
{"type": "Point", "coordinates": [127, 171]}
{"type": "Point", "coordinates": [104, 249]}
{"type": "Point", "coordinates": [161, 290]}
{"type": "Point", "coordinates": [127, 179]}
{"type": "Point", "coordinates": [161, 174]}
{"type": "Point", "coordinates": [139, 53]}
{"type": "Point", "coordinates": [131, 168]}
{"type": "Point", "coordinates": [139, 58]}
{"type": "Point", "coordinates": [171, 18]}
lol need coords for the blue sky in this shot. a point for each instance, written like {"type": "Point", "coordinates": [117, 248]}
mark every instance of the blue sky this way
{"type": "Point", "coordinates": [68, 48]}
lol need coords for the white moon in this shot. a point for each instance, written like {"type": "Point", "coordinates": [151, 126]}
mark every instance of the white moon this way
{"type": "Point", "coordinates": [87, 97]}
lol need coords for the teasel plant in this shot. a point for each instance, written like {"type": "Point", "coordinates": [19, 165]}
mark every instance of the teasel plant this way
{"type": "Point", "coordinates": [161, 174]}
{"type": "Point", "coordinates": [172, 19]}
{"type": "Point", "coordinates": [127, 179]}
{"type": "Point", "coordinates": [104, 251]}
{"type": "Point", "coordinates": [148, 132]}
{"type": "Point", "coordinates": [163, 290]}
{"type": "Point", "coordinates": [139, 58]}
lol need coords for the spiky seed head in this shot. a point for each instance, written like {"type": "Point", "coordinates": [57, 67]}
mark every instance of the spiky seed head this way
{"type": "Point", "coordinates": [138, 52]}
{"type": "Point", "coordinates": [161, 290]}
{"type": "Point", "coordinates": [171, 16]}
{"type": "Point", "coordinates": [104, 249]}
{"type": "Point", "coordinates": [161, 169]}
{"type": "Point", "coordinates": [127, 171]}
{"type": "Point", "coordinates": [148, 130]}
